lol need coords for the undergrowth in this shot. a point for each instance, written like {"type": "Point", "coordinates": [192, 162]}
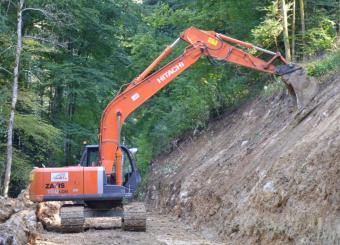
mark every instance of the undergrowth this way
{"type": "Point", "coordinates": [328, 64]}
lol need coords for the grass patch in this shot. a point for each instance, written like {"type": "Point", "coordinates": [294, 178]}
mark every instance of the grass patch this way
{"type": "Point", "coordinates": [326, 65]}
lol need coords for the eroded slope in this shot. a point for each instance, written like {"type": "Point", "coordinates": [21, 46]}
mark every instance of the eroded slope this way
{"type": "Point", "coordinates": [264, 174]}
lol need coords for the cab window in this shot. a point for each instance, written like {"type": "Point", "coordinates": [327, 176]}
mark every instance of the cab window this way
{"type": "Point", "coordinates": [126, 164]}
{"type": "Point", "coordinates": [92, 157]}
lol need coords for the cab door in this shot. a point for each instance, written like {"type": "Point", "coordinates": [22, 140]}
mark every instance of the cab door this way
{"type": "Point", "coordinates": [131, 175]}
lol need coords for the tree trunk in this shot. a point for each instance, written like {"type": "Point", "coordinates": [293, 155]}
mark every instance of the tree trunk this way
{"type": "Point", "coordinates": [338, 34]}
{"type": "Point", "coordinates": [69, 112]}
{"type": "Point", "coordinates": [14, 101]}
{"type": "Point", "coordinates": [293, 30]}
{"type": "Point", "coordinates": [303, 27]}
{"type": "Point", "coordinates": [285, 29]}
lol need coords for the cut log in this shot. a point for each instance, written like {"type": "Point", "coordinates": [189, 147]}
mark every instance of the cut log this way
{"type": "Point", "coordinates": [9, 206]}
{"type": "Point", "coordinates": [20, 228]}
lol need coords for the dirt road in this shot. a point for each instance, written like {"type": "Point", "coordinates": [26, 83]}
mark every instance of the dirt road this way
{"type": "Point", "coordinates": [161, 230]}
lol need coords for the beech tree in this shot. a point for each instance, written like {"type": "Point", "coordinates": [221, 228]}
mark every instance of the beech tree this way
{"type": "Point", "coordinates": [285, 30]}
{"type": "Point", "coordinates": [16, 72]}
{"type": "Point", "coordinates": [303, 26]}
{"type": "Point", "coordinates": [14, 100]}
{"type": "Point", "coordinates": [293, 29]}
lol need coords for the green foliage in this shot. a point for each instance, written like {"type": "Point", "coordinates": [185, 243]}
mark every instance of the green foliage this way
{"type": "Point", "coordinates": [273, 87]}
{"type": "Point", "coordinates": [320, 19]}
{"type": "Point", "coordinates": [21, 169]}
{"type": "Point", "coordinates": [329, 63]}
{"type": "Point", "coordinates": [321, 37]}
{"type": "Point", "coordinates": [37, 138]}
{"type": "Point", "coordinates": [73, 62]}
{"type": "Point", "coordinates": [268, 31]}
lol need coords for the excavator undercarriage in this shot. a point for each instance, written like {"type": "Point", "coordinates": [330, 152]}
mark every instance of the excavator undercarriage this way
{"type": "Point", "coordinates": [132, 217]}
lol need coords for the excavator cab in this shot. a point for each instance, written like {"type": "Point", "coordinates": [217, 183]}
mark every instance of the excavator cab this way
{"type": "Point", "coordinates": [131, 176]}
{"type": "Point", "coordinates": [90, 156]}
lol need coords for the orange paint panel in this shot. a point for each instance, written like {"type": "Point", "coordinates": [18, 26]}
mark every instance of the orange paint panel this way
{"type": "Point", "coordinates": [224, 51]}
{"type": "Point", "coordinates": [90, 180]}
{"type": "Point", "coordinates": [56, 181]}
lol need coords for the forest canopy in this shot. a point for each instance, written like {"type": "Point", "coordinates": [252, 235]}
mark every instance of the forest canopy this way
{"type": "Point", "coordinates": [77, 54]}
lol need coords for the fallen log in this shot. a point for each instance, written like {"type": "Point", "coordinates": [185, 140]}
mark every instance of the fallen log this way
{"type": "Point", "coordinates": [19, 229]}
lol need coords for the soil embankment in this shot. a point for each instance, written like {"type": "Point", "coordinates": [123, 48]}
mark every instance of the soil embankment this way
{"type": "Point", "coordinates": [263, 174]}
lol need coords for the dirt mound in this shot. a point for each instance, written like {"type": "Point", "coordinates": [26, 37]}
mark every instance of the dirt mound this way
{"type": "Point", "coordinates": [264, 174]}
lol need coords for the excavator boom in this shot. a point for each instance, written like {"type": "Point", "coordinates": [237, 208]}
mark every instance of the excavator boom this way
{"type": "Point", "coordinates": [201, 43]}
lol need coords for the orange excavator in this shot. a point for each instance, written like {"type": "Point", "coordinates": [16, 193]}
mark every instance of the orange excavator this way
{"type": "Point", "coordinates": [107, 176]}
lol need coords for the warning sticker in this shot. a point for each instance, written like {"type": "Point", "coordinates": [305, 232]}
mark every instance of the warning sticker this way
{"type": "Point", "coordinates": [212, 41]}
{"type": "Point", "coordinates": [135, 96]}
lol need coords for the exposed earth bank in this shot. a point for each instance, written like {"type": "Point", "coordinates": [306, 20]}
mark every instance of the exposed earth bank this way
{"type": "Point", "coordinates": [262, 174]}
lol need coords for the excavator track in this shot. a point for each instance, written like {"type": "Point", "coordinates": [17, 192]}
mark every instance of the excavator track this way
{"type": "Point", "coordinates": [134, 217]}
{"type": "Point", "coordinates": [72, 218]}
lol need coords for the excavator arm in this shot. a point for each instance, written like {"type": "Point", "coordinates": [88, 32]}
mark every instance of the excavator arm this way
{"type": "Point", "coordinates": [129, 100]}
{"type": "Point", "coordinates": [202, 43]}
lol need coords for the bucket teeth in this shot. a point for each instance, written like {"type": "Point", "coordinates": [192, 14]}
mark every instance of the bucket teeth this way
{"type": "Point", "coordinates": [302, 87]}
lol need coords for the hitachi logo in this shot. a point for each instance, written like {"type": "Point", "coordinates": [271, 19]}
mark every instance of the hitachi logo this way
{"type": "Point", "coordinates": [170, 72]}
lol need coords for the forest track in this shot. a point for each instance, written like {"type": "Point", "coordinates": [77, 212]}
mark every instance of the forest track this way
{"type": "Point", "coordinates": [160, 230]}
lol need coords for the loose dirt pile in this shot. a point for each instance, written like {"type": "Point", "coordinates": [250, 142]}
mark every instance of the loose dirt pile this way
{"type": "Point", "coordinates": [264, 174]}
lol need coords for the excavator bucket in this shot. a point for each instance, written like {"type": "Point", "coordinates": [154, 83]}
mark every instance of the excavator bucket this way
{"type": "Point", "coordinates": [302, 87]}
